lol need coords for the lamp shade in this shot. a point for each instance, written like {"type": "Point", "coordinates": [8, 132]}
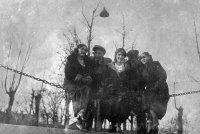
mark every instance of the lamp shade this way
{"type": "Point", "coordinates": [104, 13]}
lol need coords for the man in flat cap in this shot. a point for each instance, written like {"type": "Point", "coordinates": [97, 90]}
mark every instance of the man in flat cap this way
{"type": "Point", "coordinates": [99, 52]}
{"type": "Point", "coordinates": [99, 65]}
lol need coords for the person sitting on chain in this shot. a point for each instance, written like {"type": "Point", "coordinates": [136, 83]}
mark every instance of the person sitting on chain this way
{"type": "Point", "coordinates": [78, 81]}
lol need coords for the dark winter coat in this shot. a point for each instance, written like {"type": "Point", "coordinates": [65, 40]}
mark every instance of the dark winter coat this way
{"type": "Point", "coordinates": [134, 80]}
{"type": "Point", "coordinates": [157, 93]}
{"type": "Point", "coordinates": [135, 84]}
{"type": "Point", "coordinates": [99, 72]}
{"type": "Point", "coordinates": [78, 90]}
{"type": "Point", "coordinates": [73, 67]}
{"type": "Point", "coordinates": [114, 105]}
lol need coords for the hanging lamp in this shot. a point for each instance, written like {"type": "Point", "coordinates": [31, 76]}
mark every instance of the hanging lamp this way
{"type": "Point", "coordinates": [104, 13]}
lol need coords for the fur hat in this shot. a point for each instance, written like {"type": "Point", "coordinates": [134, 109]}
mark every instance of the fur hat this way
{"type": "Point", "coordinates": [133, 53]}
{"type": "Point", "coordinates": [98, 47]}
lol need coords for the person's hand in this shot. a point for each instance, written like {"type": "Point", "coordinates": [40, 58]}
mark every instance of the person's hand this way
{"type": "Point", "coordinates": [78, 77]}
{"type": "Point", "coordinates": [100, 92]}
{"type": "Point", "coordinates": [87, 79]}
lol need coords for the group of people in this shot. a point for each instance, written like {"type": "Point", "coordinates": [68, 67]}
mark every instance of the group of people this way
{"type": "Point", "coordinates": [116, 89]}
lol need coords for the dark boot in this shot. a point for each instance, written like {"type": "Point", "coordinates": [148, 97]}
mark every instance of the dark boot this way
{"type": "Point", "coordinates": [153, 131]}
{"type": "Point", "coordinates": [112, 129]}
{"type": "Point", "coordinates": [89, 123]}
{"type": "Point", "coordinates": [142, 131]}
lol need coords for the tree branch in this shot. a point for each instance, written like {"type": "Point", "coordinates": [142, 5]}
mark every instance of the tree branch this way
{"type": "Point", "coordinates": [175, 97]}
{"type": "Point", "coordinates": [196, 37]}
{"type": "Point", "coordinates": [123, 32]}
{"type": "Point", "coordinates": [86, 20]}
{"type": "Point", "coordinates": [116, 46]}
{"type": "Point", "coordinates": [5, 82]}
{"type": "Point", "coordinates": [14, 75]}
{"type": "Point", "coordinates": [27, 56]}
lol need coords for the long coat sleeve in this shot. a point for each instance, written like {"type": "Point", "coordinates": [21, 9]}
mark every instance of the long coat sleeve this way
{"type": "Point", "coordinates": [157, 92]}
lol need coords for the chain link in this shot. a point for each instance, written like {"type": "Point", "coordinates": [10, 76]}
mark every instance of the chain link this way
{"type": "Point", "coordinates": [185, 93]}
{"type": "Point", "coordinates": [33, 77]}
{"type": "Point", "coordinates": [59, 86]}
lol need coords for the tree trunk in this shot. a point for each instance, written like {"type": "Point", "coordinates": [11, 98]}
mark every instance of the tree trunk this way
{"type": "Point", "coordinates": [180, 120]}
{"type": "Point", "coordinates": [197, 41]}
{"type": "Point", "coordinates": [89, 40]}
{"type": "Point", "coordinates": [55, 117]}
{"type": "Point", "coordinates": [47, 119]}
{"type": "Point", "coordinates": [61, 118]}
{"type": "Point", "coordinates": [131, 122]}
{"type": "Point", "coordinates": [10, 105]}
{"type": "Point", "coordinates": [31, 105]}
{"type": "Point", "coordinates": [37, 108]}
{"type": "Point", "coordinates": [67, 101]}
{"type": "Point", "coordinates": [124, 126]}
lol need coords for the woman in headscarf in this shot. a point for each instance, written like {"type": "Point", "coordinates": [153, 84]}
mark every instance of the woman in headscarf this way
{"type": "Point", "coordinates": [156, 93]}
{"type": "Point", "coordinates": [77, 82]}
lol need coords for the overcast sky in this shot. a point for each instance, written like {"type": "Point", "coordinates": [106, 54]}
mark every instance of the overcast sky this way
{"type": "Point", "coordinates": [162, 27]}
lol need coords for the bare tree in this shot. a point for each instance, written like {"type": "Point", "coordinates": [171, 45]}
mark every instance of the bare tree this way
{"type": "Point", "coordinates": [89, 25]}
{"type": "Point", "coordinates": [123, 32]}
{"type": "Point", "coordinates": [31, 111]}
{"type": "Point", "coordinates": [14, 82]}
{"type": "Point", "coordinates": [44, 113]}
{"type": "Point", "coordinates": [63, 115]}
{"type": "Point", "coordinates": [196, 38]}
{"type": "Point", "coordinates": [116, 45]}
{"type": "Point", "coordinates": [51, 104]}
{"type": "Point", "coordinates": [180, 114]}
{"type": "Point", "coordinates": [67, 101]}
{"type": "Point", "coordinates": [72, 40]}
{"type": "Point", "coordinates": [26, 106]}
{"type": "Point", "coordinates": [37, 96]}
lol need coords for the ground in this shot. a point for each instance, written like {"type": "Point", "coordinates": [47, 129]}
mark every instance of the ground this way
{"type": "Point", "coordinates": [20, 129]}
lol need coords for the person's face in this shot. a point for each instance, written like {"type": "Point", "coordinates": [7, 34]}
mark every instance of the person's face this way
{"type": "Point", "coordinates": [144, 58]}
{"type": "Point", "coordinates": [82, 51]}
{"type": "Point", "coordinates": [120, 57]}
{"type": "Point", "coordinates": [98, 54]}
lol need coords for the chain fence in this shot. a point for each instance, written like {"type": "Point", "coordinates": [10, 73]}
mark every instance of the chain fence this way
{"type": "Point", "coordinates": [33, 77]}
{"type": "Point", "coordinates": [59, 86]}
